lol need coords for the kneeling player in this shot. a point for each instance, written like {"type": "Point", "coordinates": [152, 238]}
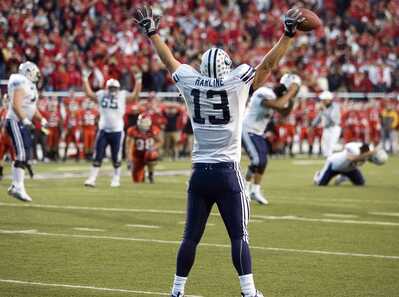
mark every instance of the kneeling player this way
{"type": "Point", "coordinates": [346, 164]}
{"type": "Point", "coordinates": [143, 142]}
{"type": "Point", "coordinates": [261, 107]}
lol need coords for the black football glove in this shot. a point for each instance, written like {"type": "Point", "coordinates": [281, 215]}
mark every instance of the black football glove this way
{"type": "Point", "coordinates": [291, 20]}
{"type": "Point", "coordinates": [148, 22]}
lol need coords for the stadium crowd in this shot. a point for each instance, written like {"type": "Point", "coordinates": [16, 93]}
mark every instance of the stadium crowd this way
{"type": "Point", "coordinates": [356, 50]}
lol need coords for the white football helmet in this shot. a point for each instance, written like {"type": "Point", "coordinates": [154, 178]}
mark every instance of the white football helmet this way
{"type": "Point", "coordinates": [144, 122]}
{"type": "Point", "coordinates": [326, 96]}
{"type": "Point", "coordinates": [215, 63]}
{"type": "Point", "coordinates": [112, 83]}
{"type": "Point", "coordinates": [289, 78]}
{"type": "Point", "coordinates": [379, 158]}
{"type": "Point", "coordinates": [30, 71]}
{"type": "Point", "coordinates": [112, 86]}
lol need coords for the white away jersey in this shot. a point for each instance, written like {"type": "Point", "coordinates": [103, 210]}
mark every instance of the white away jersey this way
{"type": "Point", "coordinates": [112, 109]}
{"type": "Point", "coordinates": [18, 81]}
{"type": "Point", "coordinates": [216, 108]}
{"type": "Point", "coordinates": [340, 162]}
{"type": "Point", "coordinates": [258, 116]}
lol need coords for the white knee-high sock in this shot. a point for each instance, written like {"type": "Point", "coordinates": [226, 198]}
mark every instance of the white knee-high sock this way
{"type": "Point", "coordinates": [94, 172]}
{"type": "Point", "coordinates": [247, 285]}
{"type": "Point", "coordinates": [117, 172]}
{"type": "Point", "coordinates": [178, 285]}
{"type": "Point", "coordinates": [18, 175]}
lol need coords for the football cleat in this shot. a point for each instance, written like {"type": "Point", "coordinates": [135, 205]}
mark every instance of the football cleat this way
{"type": "Point", "coordinates": [90, 183]}
{"type": "Point", "coordinates": [115, 182]}
{"type": "Point", "coordinates": [258, 197]}
{"type": "Point", "coordinates": [258, 294]}
{"type": "Point", "coordinates": [178, 295]}
{"type": "Point", "coordinates": [19, 194]}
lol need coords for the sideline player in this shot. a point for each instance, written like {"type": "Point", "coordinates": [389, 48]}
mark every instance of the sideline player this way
{"type": "Point", "coordinates": [89, 117]}
{"type": "Point", "coordinates": [346, 164]}
{"type": "Point", "coordinates": [143, 142]}
{"type": "Point", "coordinates": [216, 98]}
{"type": "Point", "coordinates": [261, 107]}
{"type": "Point", "coordinates": [23, 96]}
{"type": "Point", "coordinates": [5, 140]}
{"type": "Point", "coordinates": [112, 103]}
{"type": "Point", "coordinates": [330, 118]}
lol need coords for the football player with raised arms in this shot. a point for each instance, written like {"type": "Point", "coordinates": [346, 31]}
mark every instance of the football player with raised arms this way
{"type": "Point", "coordinates": [112, 103]}
{"type": "Point", "coordinates": [23, 96]}
{"type": "Point", "coordinates": [262, 105]}
{"type": "Point", "coordinates": [216, 97]}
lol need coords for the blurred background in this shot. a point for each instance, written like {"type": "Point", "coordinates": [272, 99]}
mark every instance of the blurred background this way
{"type": "Point", "coordinates": [354, 55]}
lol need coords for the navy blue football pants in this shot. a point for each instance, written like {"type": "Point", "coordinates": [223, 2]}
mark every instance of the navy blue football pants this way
{"type": "Point", "coordinates": [115, 141]}
{"type": "Point", "coordinates": [223, 185]}
{"type": "Point", "coordinates": [355, 176]}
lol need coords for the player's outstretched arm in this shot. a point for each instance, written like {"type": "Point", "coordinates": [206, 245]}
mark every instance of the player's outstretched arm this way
{"type": "Point", "coordinates": [273, 57]}
{"type": "Point", "coordinates": [284, 103]}
{"type": "Point", "coordinates": [149, 24]}
{"type": "Point", "coordinates": [86, 85]}
{"type": "Point", "coordinates": [135, 95]}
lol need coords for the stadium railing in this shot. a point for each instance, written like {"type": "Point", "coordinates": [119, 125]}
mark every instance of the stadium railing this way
{"type": "Point", "coordinates": [166, 95]}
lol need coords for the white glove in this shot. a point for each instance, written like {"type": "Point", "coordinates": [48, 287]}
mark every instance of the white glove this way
{"type": "Point", "coordinates": [138, 76]}
{"type": "Point", "coordinates": [289, 78]}
{"type": "Point", "coordinates": [44, 123]}
{"type": "Point", "coordinates": [86, 73]}
{"type": "Point", "coordinates": [27, 122]}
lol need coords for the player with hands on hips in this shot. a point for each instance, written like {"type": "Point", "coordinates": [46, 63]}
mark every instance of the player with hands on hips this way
{"type": "Point", "coordinates": [262, 105]}
{"type": "Point", "coordinates": [216, 97]}
{"type": "Point", "coordinates": [112, 103]}
{"type": "Point", "coordinates": [23, 96]}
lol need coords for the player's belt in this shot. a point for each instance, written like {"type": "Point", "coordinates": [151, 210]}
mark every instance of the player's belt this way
{"type": "Point", "coordinates": [211, 166]}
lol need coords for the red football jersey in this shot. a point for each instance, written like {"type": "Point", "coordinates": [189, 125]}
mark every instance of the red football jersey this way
{"type": "Point", "coordinates": [72, 120]}
{"type": "Point", "coordinates": [89, 118]}
{"type": "Point", "coordinates": [143, 141]}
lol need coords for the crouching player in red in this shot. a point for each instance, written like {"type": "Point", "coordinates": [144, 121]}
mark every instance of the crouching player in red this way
{"type": "Point", "coordinates": [143, 142]}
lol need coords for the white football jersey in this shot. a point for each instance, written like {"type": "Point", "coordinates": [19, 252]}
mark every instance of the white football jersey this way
{"type": "Point", "coordinates": [216, 108]}
{"type": "Point", "coordinates": [258, 116]}
{"type": "Point", "coordinates": [340, 162]}
{"type": "Point", "coordinates": [19, 81]}
{"type": "Point", "coordinates": [112, 109]}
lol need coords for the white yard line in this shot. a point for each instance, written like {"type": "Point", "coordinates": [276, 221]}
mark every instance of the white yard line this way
{"type": "Point", "coordinates": [160, 241]}
{"type": "Point", "coordinates": [162, 211]}
{"type": "Point", "coordinates": [388, 214]}
{"type": "Point", "coordinates": [88, 229]}
{"type": "Point", "coordinates": [136, 292]}
{"type": "Point", "coordinates": [207, 224]}
{"type": "Point", "coordinates": [340, 215]}
{"type": "Point", "coordinates": [143, 226]}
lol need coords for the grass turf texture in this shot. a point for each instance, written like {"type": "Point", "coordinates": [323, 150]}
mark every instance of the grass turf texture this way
{"type": "Point", "coordinates": [110, 258]}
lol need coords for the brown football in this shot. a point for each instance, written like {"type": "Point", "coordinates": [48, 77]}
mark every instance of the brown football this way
{"type": "Point", "coordinates": [311, 22]}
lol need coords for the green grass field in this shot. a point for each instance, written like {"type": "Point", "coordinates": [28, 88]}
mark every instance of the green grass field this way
{"type": "Point", "coordinates": [324, 242]}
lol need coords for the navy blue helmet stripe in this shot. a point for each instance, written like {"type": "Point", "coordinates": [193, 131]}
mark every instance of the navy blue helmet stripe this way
{"type": "Point", "coordinates": [209, 63]}
{"type": "Point", "coordinates": [214, 62]}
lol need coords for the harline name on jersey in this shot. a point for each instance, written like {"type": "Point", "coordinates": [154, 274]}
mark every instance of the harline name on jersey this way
{"type": "Point", "coordinates": [213, 83]}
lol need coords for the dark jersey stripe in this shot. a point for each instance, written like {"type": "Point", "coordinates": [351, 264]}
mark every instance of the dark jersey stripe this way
{"type": "Point", "coordinates": [245, 79]}
{"type": "Point", "coordinates": [246, 73]}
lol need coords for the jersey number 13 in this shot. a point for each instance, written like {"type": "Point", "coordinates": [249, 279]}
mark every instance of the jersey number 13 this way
{"type": "Point", "coordinates": [223, 106]}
